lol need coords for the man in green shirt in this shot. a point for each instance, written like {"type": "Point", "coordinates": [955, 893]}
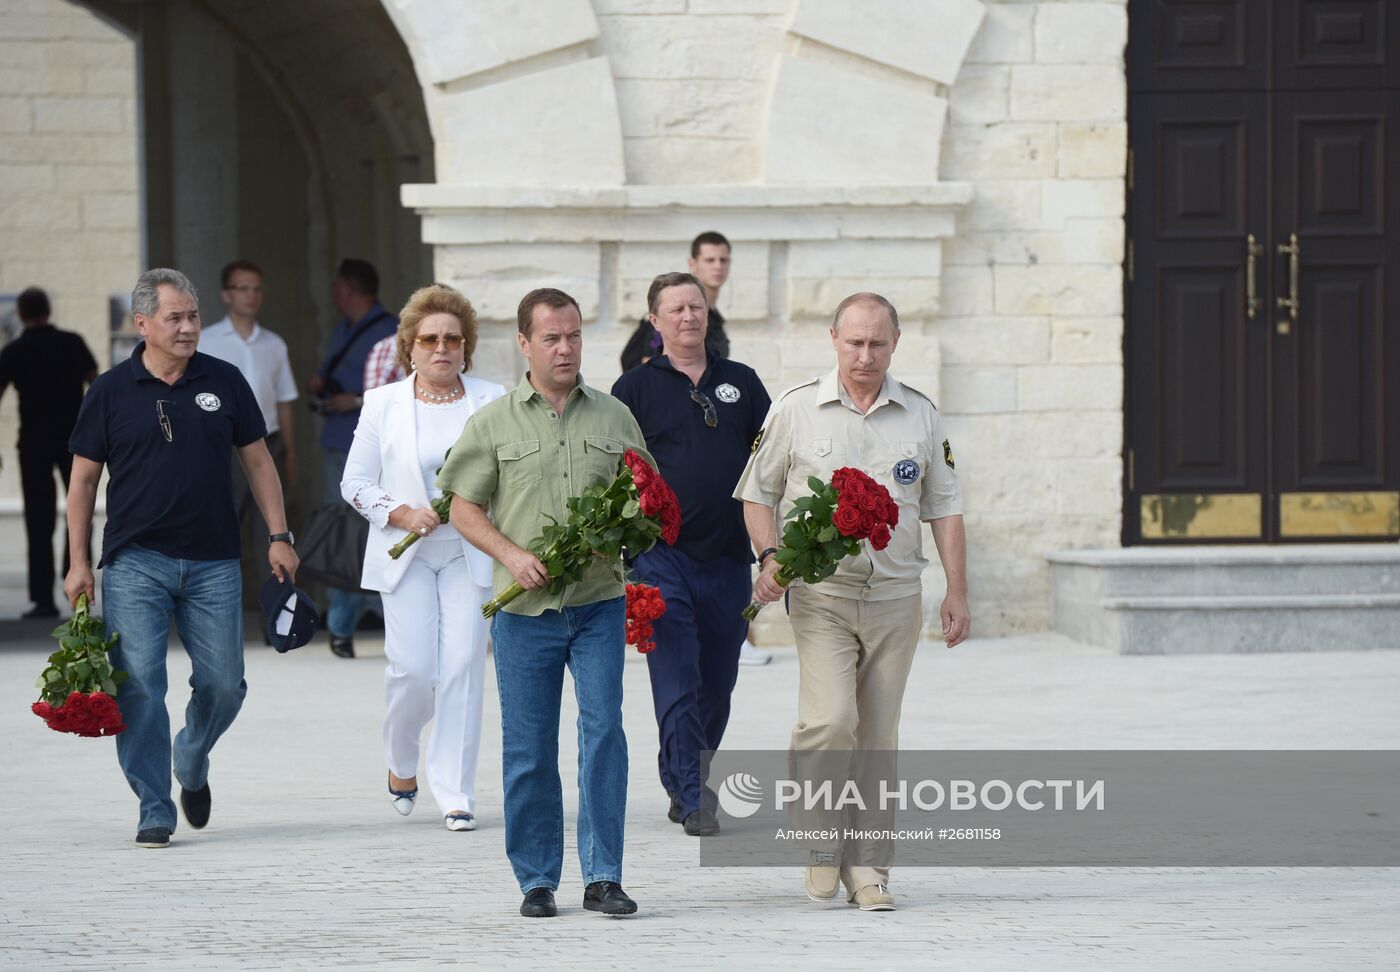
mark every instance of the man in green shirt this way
{"type": "Point", "coordinates": [521, 457]}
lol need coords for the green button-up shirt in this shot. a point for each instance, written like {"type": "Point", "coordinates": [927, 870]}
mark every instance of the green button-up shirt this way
{"type": "Point", "coordinates": [521, 461]}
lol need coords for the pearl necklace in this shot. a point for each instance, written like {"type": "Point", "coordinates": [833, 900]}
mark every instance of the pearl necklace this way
{"type": "Point", "coordinates": [438, 399]}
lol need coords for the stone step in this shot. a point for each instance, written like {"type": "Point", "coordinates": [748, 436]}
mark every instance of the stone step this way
{"type": "Point", "coordinates": [1190, 600]}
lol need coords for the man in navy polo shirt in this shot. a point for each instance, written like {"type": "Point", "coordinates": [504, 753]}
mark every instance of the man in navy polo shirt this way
{"type": "Point", "coordinates": [699, 414]}
{"type": "Point", "coordinates": [164, 422]}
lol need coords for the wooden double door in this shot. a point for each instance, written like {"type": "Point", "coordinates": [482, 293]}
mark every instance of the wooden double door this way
{"type": "Point", "coordinates": [1263, 271]}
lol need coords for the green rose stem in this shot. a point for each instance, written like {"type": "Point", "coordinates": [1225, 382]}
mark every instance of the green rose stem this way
{"type": "Point", "coordinates": [442, 506]}
{"type": "Point", "coordinates": [783, 577]}
{"type": "Point", "coordinates": [493, 606]}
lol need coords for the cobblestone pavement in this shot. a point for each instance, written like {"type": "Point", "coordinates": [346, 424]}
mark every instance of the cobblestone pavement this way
{"type": "Point", "coordinates": [304, 863]}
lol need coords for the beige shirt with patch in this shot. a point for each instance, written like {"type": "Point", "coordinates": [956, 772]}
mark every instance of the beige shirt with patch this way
{"type": "Point", "coordinates": [815, 429]}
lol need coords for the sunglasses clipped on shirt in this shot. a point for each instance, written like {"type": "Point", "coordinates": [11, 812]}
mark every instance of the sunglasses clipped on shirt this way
{"type": "Point", "coordinates": [699, 398]}
{"type": "Point", "coordinates": [431, 341]}
{"type": "Point", "coordinates": [164, 420]}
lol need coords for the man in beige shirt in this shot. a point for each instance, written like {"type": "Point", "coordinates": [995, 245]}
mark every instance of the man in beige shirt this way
{"type": "Point", "coordinates": [856, 631]}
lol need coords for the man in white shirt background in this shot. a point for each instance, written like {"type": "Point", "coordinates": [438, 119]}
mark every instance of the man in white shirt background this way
{"type": "Point", "coordinates": [262, 357]}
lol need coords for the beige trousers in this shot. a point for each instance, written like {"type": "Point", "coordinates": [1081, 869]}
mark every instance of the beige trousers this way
{"type": "Point", "coordinates": [854, 658]}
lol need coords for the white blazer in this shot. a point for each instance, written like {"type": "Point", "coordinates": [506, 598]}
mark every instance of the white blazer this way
{"type": "Point", "coordinates": [382, 473]}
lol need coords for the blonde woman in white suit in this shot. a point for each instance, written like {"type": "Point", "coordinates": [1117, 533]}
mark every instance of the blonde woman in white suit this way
{"type": "Point", "coordinates": [434, 635]}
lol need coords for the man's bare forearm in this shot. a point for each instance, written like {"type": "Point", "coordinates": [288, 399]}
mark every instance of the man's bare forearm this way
{"type": "Point", "coordinates": [762, 523]}
{"type": "Point", "coordinates": [266, 486]}
{"type": "Point", "coordinates": [950, 537]}
{"type": "Point", "coordinates": [82, 500]}
{"type": "Point", "coordinates": [471, 521]}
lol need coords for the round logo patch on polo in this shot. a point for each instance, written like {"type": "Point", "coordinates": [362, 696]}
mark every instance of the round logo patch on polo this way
{"type": "Point", "coordinates": [208, 402]}
{"type": "Point", "coordinates": [727, 393]}
{"type": "Point", "coordinates": [906, 471]}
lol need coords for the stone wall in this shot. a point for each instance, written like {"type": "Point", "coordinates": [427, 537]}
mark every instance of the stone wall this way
{"type": "Point", "coordinates": [68, 175]}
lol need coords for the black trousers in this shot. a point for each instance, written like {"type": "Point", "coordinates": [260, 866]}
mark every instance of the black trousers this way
{"type": "Point", "coordinates": [36, 468]}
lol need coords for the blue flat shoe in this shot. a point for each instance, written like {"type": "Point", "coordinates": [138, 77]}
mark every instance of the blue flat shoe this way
{"type": "Point", "coordinates": [403, 799]}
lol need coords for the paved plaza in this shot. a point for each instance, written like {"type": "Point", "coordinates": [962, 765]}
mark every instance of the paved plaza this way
{"type": "Point", "coordinates": [304, 863]}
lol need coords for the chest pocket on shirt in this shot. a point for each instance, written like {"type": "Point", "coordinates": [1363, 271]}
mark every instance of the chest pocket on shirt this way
{"type": "Point", "coordinates": [603, 455]}
{"type": "Point", "coordinates": [519, 463]}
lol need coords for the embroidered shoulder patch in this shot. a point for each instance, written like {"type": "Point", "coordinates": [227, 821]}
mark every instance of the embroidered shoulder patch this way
{"type": "Point", "coordinates": [948, 454]}
{"type": "Point", "coordinates": [756, 440]}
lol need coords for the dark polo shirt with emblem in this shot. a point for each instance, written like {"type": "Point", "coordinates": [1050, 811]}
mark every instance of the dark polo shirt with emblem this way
{"type": "Point", "coordinates": [700, 463]}
{"type": "Point", "coordinates": [168, 450]}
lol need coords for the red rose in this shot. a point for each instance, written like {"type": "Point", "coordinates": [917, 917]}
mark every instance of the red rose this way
{"type": "Point", "coordinates": [76, 701]}
{"type": "Point", "coordinates": [880, 536]}
{"type": "Point", "coordinates": [42, 709]}
{"type": "Point", "coordinates": [867, 523]}
{"type": "Point", "coordinates": [892, 514]}
{"type": "Point", "coordinates": [869, 502]}
{"type": "Point", "coordinates": [650, 502]}
{"type": "Point", "coordinates": [846, 519]}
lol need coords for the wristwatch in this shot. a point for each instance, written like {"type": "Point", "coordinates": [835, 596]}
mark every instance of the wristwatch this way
{"type": "Point", "coordinates": [285, 537]}
{"type": "Point", "coordinates": [764, 556]}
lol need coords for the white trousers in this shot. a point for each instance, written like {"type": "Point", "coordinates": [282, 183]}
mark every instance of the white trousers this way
{"type": "Point", "coordinates": [435, 641]}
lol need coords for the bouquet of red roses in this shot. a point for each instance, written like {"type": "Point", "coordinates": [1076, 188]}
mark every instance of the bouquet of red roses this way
{"type": "Point", "coordinates": [76, 689]}
{"type": "Point", "coordinates": [644, 605]}
{"type": "Point", "coordinates": [632, 512]}
{"type": "Point", "coordinates": [829, 525]}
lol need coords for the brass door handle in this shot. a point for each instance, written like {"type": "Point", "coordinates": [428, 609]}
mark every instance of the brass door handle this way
{"type": "Point", "coordinates": [1253, 251]}
{"type": "Point", "coordinates": [1290, 303]}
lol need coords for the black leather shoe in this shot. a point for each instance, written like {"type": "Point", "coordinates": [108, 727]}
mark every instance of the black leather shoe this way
{"type": "Point", "coordinates": [607, 897]}
{"type": "Point", "coordinates": [701, 823]}
{"type": "Point", "coordinates": [153, 837]}
{"type": "Point", "coordinates": [39, 611]}
{"type": "Point", "coordinates": [539, 903]}
{"type": "Point", "coordinates": [342, 647]}
{"type": "Point", "coordinates": [674, 814]}
{"type": "Point", "coordinates": [196, 803]}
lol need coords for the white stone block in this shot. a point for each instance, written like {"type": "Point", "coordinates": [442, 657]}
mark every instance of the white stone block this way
{"type": "Point", "coordinates": [110, 210]}
{"type": "Point", "coordinates": [461, 39]}
{"type": "Point", "coordinates": [929, 38]}
{"type": "Point", "coordinates": [969, 341]}
{"type": "Point", "coordinates": [95, 178]}
{"type": "Point", "coordinates": [1065, 199]}
{"type": "Point", "coordinates": [78, 115]}
{"type": "Point", "coordinates": [1004, 204]}
{"type": "Point", "coordinates": [815, 298]}
{"type": "Point", "coordinates": [39, 212]}
{"type": "Point", "coordinates": [1080, 33]}
{"type": "Point", "coordinates": [1003, 151]}
{"type": "Point", "coordinates": [605, 7]}
{"type": "Point", "coordinates": [1096, 241]}
{"type": "Point", "coordinates": [876, 259]}
{"type": "Point", "coordinates": [492, 135]}
{"type": "Point", "coordinates": [979, 389]}
{"type": "Point", "coordinates": [1093, 150]}
{"type": "Point", "coordinates": [1068, 92]}
{"type": "Point", "coordinates": [1090, 487]}
{"type": "Point", "coordinates": [734, 48]}
{"type": "Point", "coordinates": [1052, 388]}
{"type": "Point", "coordinates": [967, 291]}
{"type": "Point", "coordinates": [495, 276]}
{"type": "Point", "coordinates": [1087, 340]}
{"type": "Point", "coordinates": [1007, 35]}
{"type": "Point", "coordinates": [700, 107]}
{"type": "Point", "coordinates": [710, 7]}
{"type": "Point", "coordinates": [16, 115]}
{"type": "Point", "coordinates": [817, 108]}
{"type": "Point", "coordinates": [681, 159]}
{"type": "Point", "coordinates": [26, 178]}
{"type": "Point", "coordinates": [1059, 290]}
{"type": "Point", "coordinates": [981, 95]}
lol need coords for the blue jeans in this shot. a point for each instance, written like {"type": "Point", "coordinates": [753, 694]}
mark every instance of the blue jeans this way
{"type": "Point", "coordinates": [142, 591]}
{"type": "Point", "coordinates": [344, 609]}
{"type": "Point", "coordinates": [531, 654]}
{"type": "Point", "coordinates": [695, 664]}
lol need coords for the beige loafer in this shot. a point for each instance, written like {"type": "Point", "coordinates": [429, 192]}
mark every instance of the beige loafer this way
{"type": "Point", "coordinates": [873, 897]}
{"type": "Point", "coordinates": [823, 877]}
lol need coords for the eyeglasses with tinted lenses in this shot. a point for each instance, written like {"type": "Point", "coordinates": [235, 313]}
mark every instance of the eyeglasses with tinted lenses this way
{"type": "Point", "coordinates": [453, 341]}
{"type": "Point", "coordinates": [698, 397]}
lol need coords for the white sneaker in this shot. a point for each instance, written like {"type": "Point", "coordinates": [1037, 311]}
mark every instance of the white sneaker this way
{"type": "Point", "coordinates": [749, 655]}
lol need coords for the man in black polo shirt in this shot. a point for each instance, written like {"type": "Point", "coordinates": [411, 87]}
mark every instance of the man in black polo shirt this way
{"type": "Point", "coordinates": [164, 423]}
{"type": "Point", "coordinates": [49, 369]}
{"type": "Point", "coordinates": [699, 414]}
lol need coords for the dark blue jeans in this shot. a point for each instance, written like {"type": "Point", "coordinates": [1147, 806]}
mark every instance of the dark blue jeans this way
{"type": "Point", "coordinates": [531, 655]}
{"type": "Point", "coordinates": [696, 661]}
{"type": "Point", "coordinates": [142, 591]}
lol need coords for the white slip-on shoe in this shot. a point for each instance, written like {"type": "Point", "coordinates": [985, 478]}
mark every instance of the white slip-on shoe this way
{"type": "Point", "coordinates": [460, 820]}
{"type": "Point", "coordinates": [403, 799]}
